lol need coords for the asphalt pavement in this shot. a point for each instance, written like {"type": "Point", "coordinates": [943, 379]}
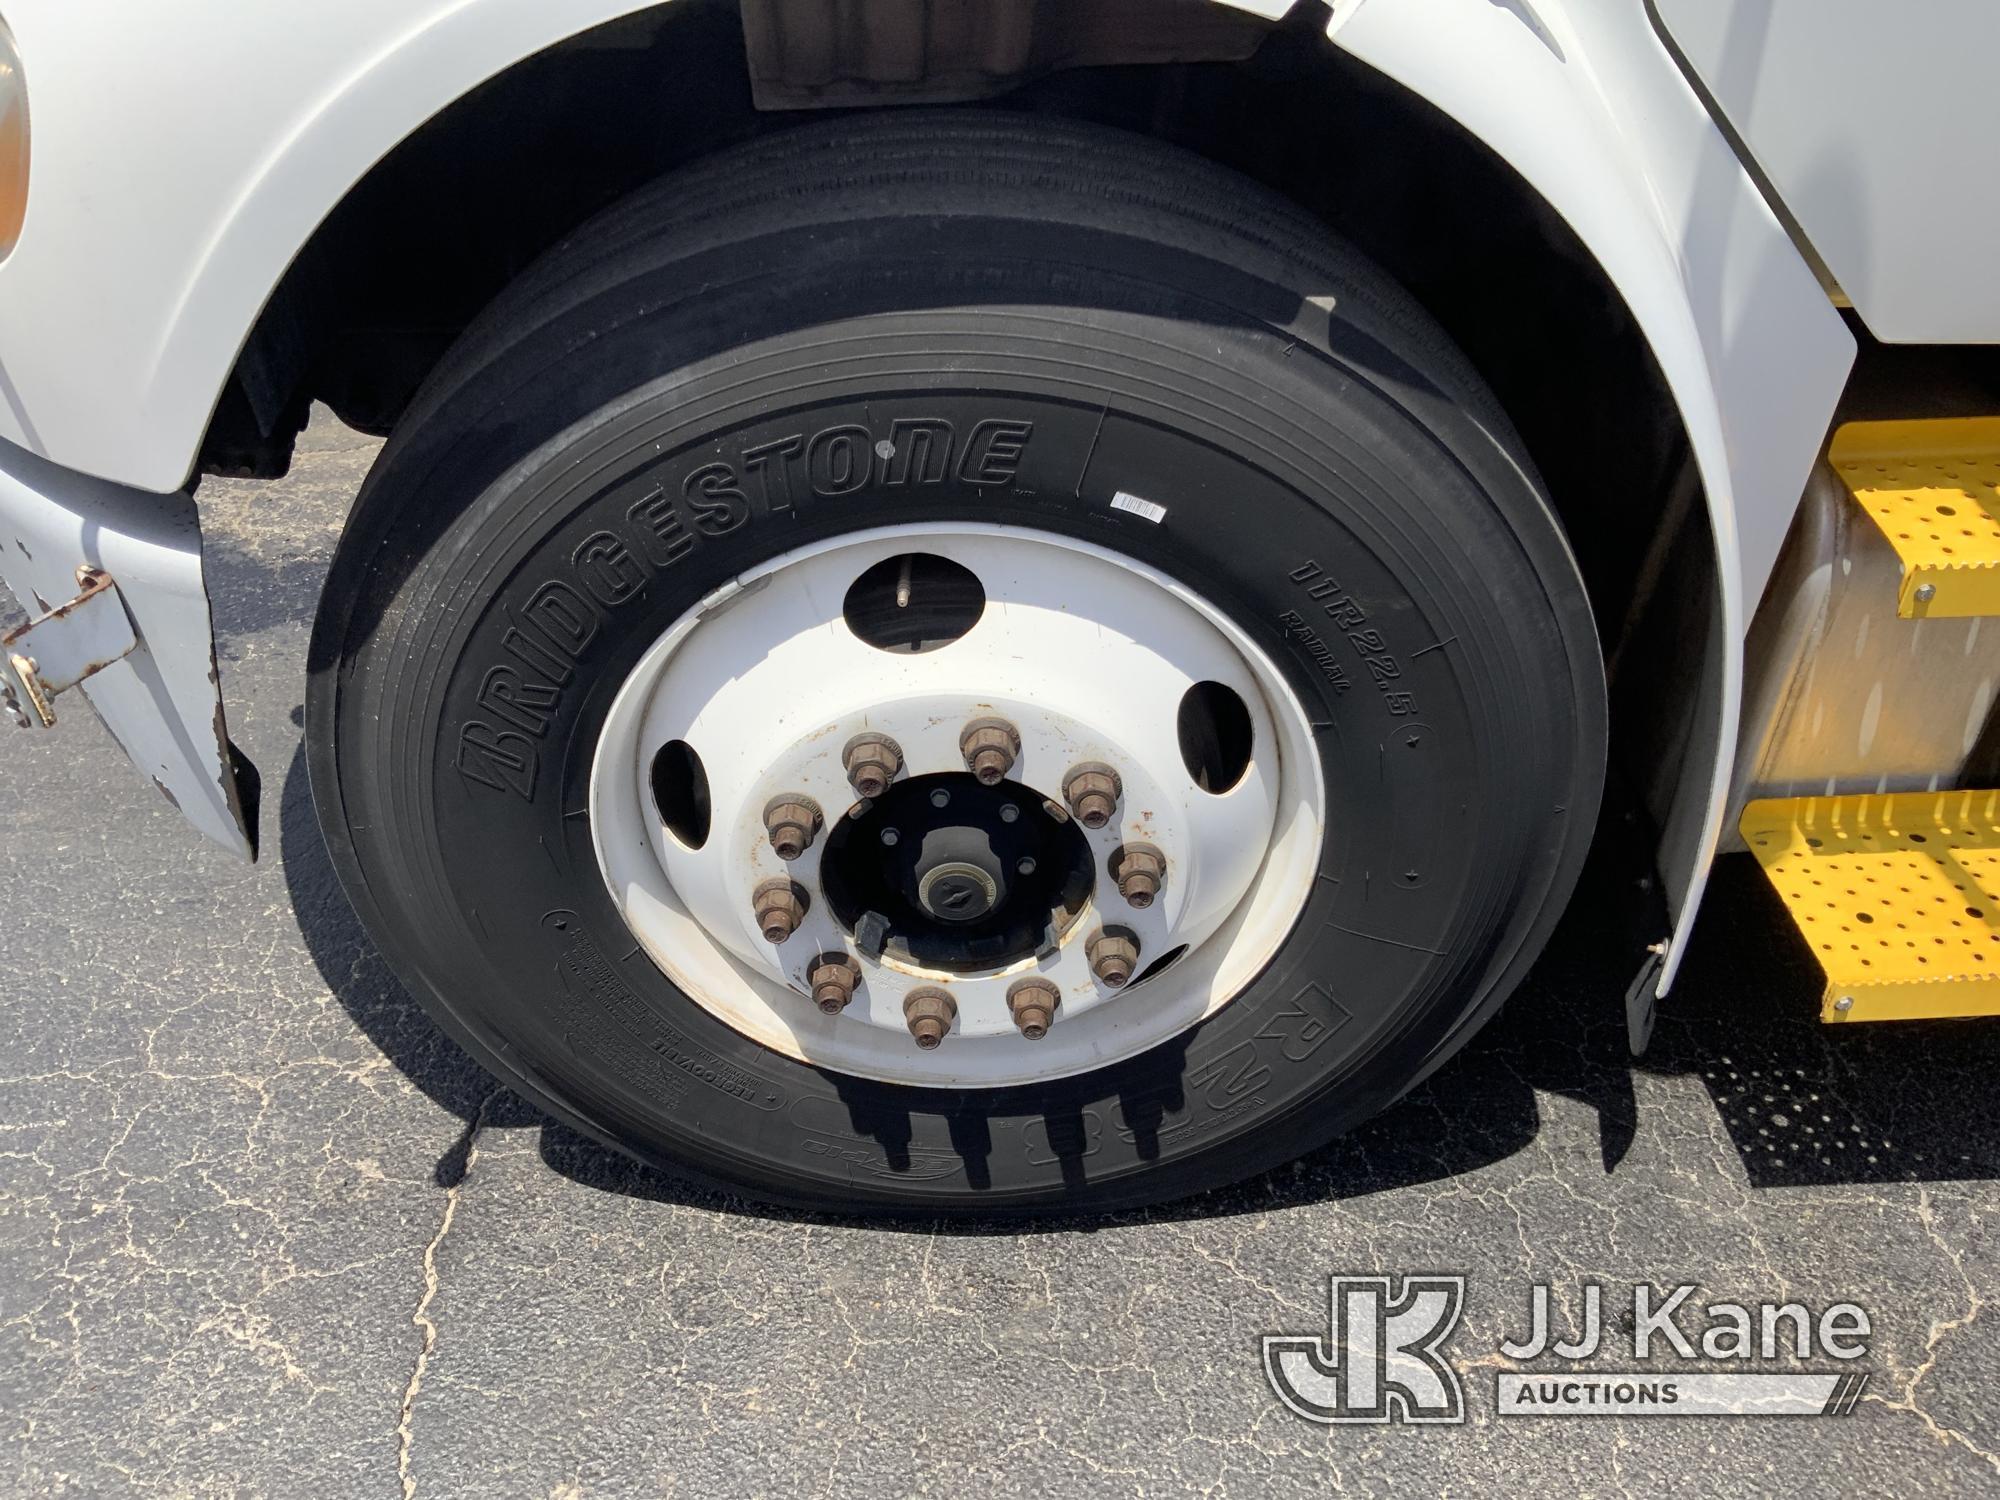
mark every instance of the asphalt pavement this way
{"type": "Point", "coordinates": [264, 1231]}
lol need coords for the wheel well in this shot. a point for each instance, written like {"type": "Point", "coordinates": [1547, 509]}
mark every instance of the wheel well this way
{"type": "Point", "coordinates": [444, 221]}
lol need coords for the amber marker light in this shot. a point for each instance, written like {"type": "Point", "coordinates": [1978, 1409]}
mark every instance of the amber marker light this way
{"type": "Point", "coordinates": [13, 143]}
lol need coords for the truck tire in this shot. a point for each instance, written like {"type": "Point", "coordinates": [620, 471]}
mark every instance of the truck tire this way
{"type": "Point", "coordinates": [956, 663]}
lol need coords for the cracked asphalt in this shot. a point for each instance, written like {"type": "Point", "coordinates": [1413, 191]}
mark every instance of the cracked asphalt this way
{"type": "Point", "coordinates": [264, 1231]}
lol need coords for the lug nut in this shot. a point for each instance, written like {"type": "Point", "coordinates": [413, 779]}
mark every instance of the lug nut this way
{"type": "Point", "coordinates": [872, 761]}
{"type": "Point", "coordinates": [990, 748]}
{"type": "Point", "coordinates": [1092, 791]}
{"type": "Point", "coordinates": [1140, 870]}
{"type": "Point", "coordinates": [793, 821]}
{"type": "Point", "coordinates": [833, 977]}
{"type": "Point", "coordinates": [1113, 954]}
{"type": "Point", "coordinates": [930, 1013]}
{"type": "Point", "coordinates": [780, 906]}
{"type": "Point", "coordinates": [1034, 1002]}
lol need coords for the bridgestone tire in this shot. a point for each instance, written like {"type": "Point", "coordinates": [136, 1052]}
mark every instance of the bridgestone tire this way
{"type": "Point", "coordinates": [1337, 480]}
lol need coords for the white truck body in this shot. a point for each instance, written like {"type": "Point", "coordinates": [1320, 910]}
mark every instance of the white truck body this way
{"type": "Point", "coordinates": [182, 156]}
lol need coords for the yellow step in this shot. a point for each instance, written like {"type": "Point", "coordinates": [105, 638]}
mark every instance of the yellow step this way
{"type": "Point", "coordinates": [1898, 895]}
{"type": "Point", "coordinates": [1934, 489]}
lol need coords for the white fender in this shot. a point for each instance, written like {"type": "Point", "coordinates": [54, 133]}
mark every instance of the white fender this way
{"type": "Point", "coordinates": [183, 154]}
{"type": "Point", "coordinates": [1586, 103]}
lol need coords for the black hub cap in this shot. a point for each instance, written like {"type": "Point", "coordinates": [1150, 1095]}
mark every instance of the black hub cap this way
{"type": "Point", "coordinates": [953, 875]}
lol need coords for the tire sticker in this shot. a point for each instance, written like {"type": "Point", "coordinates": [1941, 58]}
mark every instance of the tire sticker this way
{"type": "Point", "coordinates": [1145, 509]}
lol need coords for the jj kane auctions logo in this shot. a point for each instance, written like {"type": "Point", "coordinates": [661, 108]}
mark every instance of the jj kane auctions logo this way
{"type": "Point", "coordinates": [1382, 1357]}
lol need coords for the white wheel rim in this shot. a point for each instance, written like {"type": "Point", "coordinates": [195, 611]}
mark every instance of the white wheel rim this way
{"type": "Point", "coordinates": [1088, 654]}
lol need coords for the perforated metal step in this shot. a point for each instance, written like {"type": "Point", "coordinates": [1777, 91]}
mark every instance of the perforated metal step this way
{"type": "Point", "coordinates": [1934, 489]}
{"type": "Point", "coordinates": [1898, 895]}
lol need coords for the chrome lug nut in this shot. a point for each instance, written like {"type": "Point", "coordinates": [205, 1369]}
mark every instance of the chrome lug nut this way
{"type": "Point", "coordinates": [793, 821]}
{"type": "Point", "coordinates": [780, 905]}
{"type": "Point", "coordinates": [1114, 955]}
{"type": "Point", "coordinates": [1139, 871]}
{"type": "Point", "coordinates": [1092, 791]}
{"type": "Point", "coordinates": [990, 748]}
{"type": "Point", "coordinates": [929, 1013]}
{"type": "Point", "coordinates": [872, 761]}
{"type": "Point", "coordinates": [1034, 1002]}
{"type": "Point", "coordinates": [833, 977]}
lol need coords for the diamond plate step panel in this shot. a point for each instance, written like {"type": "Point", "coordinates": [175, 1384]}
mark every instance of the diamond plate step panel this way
{"type": "Point", "coordinates": [1934, 489]}
{"type": "Point", "coordinates": [1898, 896]}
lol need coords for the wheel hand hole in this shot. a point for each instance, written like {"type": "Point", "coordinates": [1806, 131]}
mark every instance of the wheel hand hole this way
{"type": "Point", "coordinates": [1214, 726]}
{"type": "Point", "coordinates": [915, 601]}
{"type": "Point", "coordinates": [680, 792]}
{"type": "Point", "coordinates": [1158, 966]}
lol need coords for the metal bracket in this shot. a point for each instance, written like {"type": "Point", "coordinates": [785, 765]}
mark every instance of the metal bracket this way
{"type": "Point", "coordinates": [141, 650]}
{"type": "Point", "coordinates": [55, 651]}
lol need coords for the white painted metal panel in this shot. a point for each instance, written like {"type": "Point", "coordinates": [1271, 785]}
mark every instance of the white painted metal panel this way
{"type": "Point", "coordinates": [183, 154]}
{"type": "Point", "coordinates": [162, 700]}
{"type": "Point", "coordinates": [1588, 105]}
{"type": "Point", "coordinates": [1874, 123]}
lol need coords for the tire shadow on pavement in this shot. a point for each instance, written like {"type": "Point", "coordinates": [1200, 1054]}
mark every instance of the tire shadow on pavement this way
{"type": "Point", "coordinates": [1802, 1103]}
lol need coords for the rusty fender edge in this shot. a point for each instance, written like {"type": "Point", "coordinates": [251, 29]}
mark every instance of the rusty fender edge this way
{"type": "Point", "coordinates": [163, 701]}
